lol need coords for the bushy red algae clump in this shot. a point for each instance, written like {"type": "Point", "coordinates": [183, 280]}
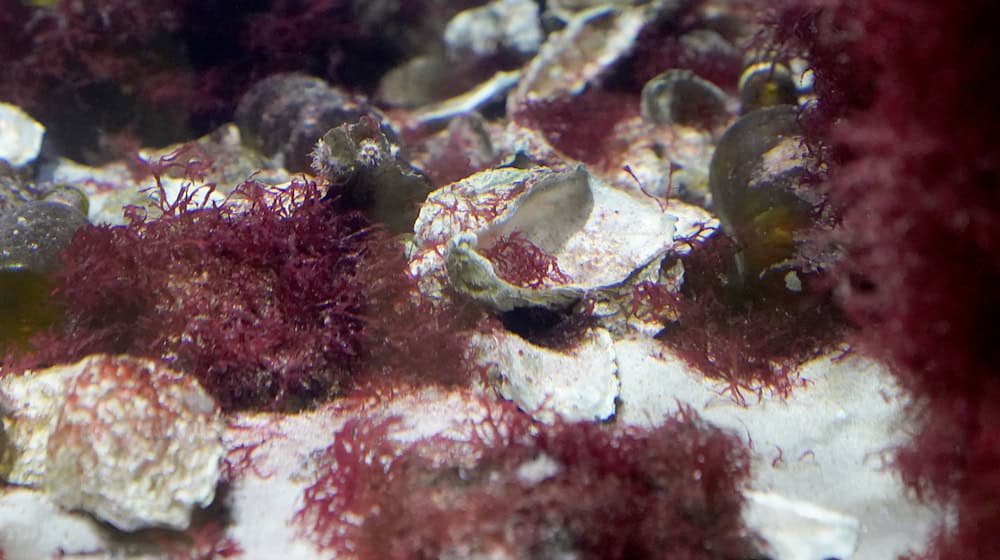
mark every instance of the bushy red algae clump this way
{"type": "Point", "coordinates": [274, 299]}
{"type": "Point", "coordinates": [532, 491]}
{"type": "Point", "coordinates": [752, 341]}
{"type": "Point", "coordinates": [906, 109]}
{"type": "Point", "coordinates": [580, 126]}
{"type": "Point", "coordinates": [522, 263]}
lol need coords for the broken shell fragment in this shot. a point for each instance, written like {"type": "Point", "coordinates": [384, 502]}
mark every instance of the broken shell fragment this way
{"type": "Point", "coordinates": [682, 97]}
{"type": "Point", "coordinates": [126, 439]}
{"type": "Point", "coordinates": [577, 384]}
{"type": "Point", "coordinates": [474, 99]}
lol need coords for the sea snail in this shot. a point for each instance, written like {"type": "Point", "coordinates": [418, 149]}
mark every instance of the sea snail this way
{"type": "Point", "coordinates": [756, 180]}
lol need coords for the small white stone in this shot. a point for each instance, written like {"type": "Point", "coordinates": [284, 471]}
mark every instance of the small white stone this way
{"type": "Point", "coordinates": [578, 384]}
{"type": "Point", "coordinates": [502, 24]}
{"type": "Point", "coordinates": [20, 135]}
{"type": "Point", "coordinates": [797, 530]}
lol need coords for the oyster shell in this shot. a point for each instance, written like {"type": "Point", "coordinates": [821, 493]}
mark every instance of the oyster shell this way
{"type": "Point", "coordinates": [501, 25]}
{"type": "Point", "coordinates": [579, 55]}
{"type": "Point", "coordinates": [597, 233]}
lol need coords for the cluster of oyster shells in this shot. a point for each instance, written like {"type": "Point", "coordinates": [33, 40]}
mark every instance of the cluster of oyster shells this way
{"type": "Point", "coordinates": [609, 226]}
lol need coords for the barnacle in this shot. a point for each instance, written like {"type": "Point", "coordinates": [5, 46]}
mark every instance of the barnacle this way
{"type": "Point", "coordinates": [363, 163]}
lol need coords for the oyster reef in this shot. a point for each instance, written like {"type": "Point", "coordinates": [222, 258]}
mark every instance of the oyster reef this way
{"type": "Point", "coordinates": [700, 279]}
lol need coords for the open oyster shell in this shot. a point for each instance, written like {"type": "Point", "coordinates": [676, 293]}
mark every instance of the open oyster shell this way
{"type": "Point", "coordinates": [600, 235]}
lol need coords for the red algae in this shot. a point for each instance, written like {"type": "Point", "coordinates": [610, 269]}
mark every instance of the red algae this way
{"type": "Point", "coordinates": [904, 108]}
{"type": "Point", "coordinates": [205, 539]}
{"type": "Point", "coordinates": [752, 341]}
{"type": "Point", "coordinates": [580, 126]}
{"type": "Point", "coordinates": [532, 491]}
{"type": "Point", "coordinates": [272, 300]}
{"type": "Point", "coordinates": [689, 41]}
{"type": "Point", "coordinates": [522, 263]}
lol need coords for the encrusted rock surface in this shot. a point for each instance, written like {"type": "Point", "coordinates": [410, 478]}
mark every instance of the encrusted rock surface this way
{"type": "Point", "coordinates": [129, 440]}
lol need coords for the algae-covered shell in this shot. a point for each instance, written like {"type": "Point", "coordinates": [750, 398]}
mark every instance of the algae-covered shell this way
{"type": "Point", "coordinates": [756, 182]}
{"type": "Point", "coordinates": [682, 97]}
{"type": "Point", "coordinates": [127, 439]}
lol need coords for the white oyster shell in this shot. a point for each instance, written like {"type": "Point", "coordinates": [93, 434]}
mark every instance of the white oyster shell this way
{"type": "Point", "coordinates": [580, 54]}
{"type": "Point", "coordinates": [598, 234]}
{"type": "Point", "coordinates": [577, 384]}
{"type": "Point", "coordinates": [20, 135]}
{"type": "Point", "coordinates": [127, 439]}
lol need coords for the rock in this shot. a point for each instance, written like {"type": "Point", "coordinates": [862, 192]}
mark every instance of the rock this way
{"type": "Point", "coordinates": [126, 439]}
{"type": "Point", "coordinates": [20, 136]}
{"type": "Point", "coordinates": [797, 530]}
{"type": "Point", "coordinates": [578, 384]}
{"type": "Point", "coordinates": [33, 234]}
{"type": "Point", "coordinates": [502, 25]}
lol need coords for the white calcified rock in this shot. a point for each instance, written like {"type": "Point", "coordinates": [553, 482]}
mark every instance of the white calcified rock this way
{"type": "Point", "coordinates": [577, 384]}
{"type": "Point", "coordinates": [797, 530]}
{"type": "Point", "coordinates": [127, 439]}
{"type": "Point", "coordinates": [499, 25]}
{"type": "Point", "coordinates": [20, 135]}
